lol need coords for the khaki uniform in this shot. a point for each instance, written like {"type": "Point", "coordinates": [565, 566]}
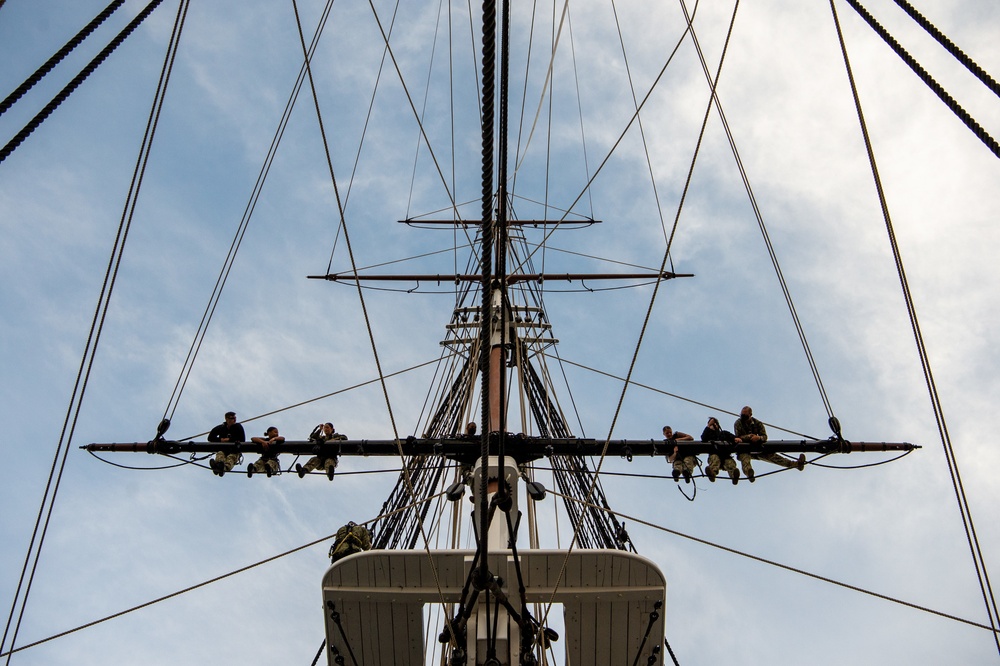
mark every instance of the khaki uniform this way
{"type": "Point", "coordinates": [327, 464]}
{"type": "Point", "coordinates": [227, 461]}
{"type": "Point", "coordinates": [755, 427]}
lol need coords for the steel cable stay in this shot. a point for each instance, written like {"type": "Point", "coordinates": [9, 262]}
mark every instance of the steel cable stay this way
{"type": "Point", "coordinates": [442, 373]}
{"type": "Point", "coordinates": [579, 111]}
{"type": "Point", "coordinates": [210, 581]}
{"type": "Point", "coordinates": [786, 567]}
{"type": "Point", "coordinates": [454, 158]}
{"type": "Point", "coordinates": [979, 562]}
{"type": "Point", "coordinates": [227, 265]}
{"type": "Point", "coordinates": [70, 87]}
{"type": "Point", "coordinates": [676, 396]}
{"type": "Point", "coordinates": [621, 136]}
{"type": "Point", "coordinates": [423, 138]}
{"type": "Point", "coordinates": [324, 396]}
{"type": "Point", "coordinates": [764, 233]}
{"type": "Point", "coordinates": [451, 122]}
{"type": "Point", "coordinates": [546, 95]}
{"type": "Point", "coordinates": [47, 504]}
{"type": "Point", "coordinates": [414, 257]}
{"type": "Point", "coordinates": [583, 219]}
{"type": "Point", "coordinates": [58, 57]}
{"type": "Point", "coordinates": [571, 470]}
{"type": "Point", "coordinates": [413, 108]}
{"type": "Point", "coordinates": [951, 47]}
{"type": "Point", "coordinates": [576, 518]}
{"type": "Point", "coordinates": [319, 653]}
{"type": "Point", "coordinates": [421, 116]}
{"type": "Point", "coordinates": [593, 485]}
{"type": "Point", "coordinates": [524, 89]}
{"type": "Point", "coordinates": [546, 85]}
{"type": "Point", "coordinates": [438, 610]}
{"type": "Point", "coordinates": [364, 132]}
{"type": "Point", "coordinates": [364, 308]}
{"type": "Point", "coordinates": [488, 57]}
{"type": "Point", "coordinates": [592, 256]}
{"type": "Point", "coordinates": [638, 122]}
{"type": "Point", "coordinates": [929, 81]}
{"type": "Point", "coordinates": [420, 486]}
{"type": "Point", "coordinates": [446, 420]}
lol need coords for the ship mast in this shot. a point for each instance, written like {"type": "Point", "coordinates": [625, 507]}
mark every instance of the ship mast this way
{"type": "Point", "coordinates": [489, 625]}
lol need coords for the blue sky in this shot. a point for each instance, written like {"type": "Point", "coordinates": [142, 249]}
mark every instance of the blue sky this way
{"type": "Point", "coordinates": [121, 537]}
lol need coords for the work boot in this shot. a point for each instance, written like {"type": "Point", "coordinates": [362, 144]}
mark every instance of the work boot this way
{"type": "Point", "coordinates": [300, 470]}
{"type": "Point", "coordinates": [748, 470]}
{"type": "Point", "coordinates": [687, 475]}
{"type": "Point", "coordinates": [801, 462]}
{"type": "Point", "coordinates": [676, 474]}
{"type": "Point", "coordinates": [250, 470]}
{"type": "Point", "coordinates": [329, 472]}
{"type": "Point", "coordinates": [735, 475]}
{"type": "Point", "coordinates": [711, 473]}
{"type": "Point", "coordinates": [214, 464]}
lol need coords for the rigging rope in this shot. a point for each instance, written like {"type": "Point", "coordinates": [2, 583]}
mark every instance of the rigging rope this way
{"type": "Point", "coordinates": [50, 64]}
{"type": "Point", "coordinates": [671, 651]}
{"type": "Point", "coordinates": [413, 108]}
{"type": "Point", "coordinates": [423, 110]}
{"type": "Point", "coordinates": [93, 339]}
{"type": "Point", "coordinates": [621, 136]}
{"type": "Point", "coordinates": [205, 583]}
{"type": "Point", "coordinates": [319, 653]}
{"type": "Point", "coordinates": [545, 86]}
{"type": "Point", "coordinates": [579, 112]}
{"type": "Point", "coordinates": [70, 87]}
{"type": "Point", "coordinates": [963, 505]}
{"type": "Point", "coordinates": [486, 216]}
{"type": "Point", "coordinates": [929, 81]}
{"type": "Point", "coordinates": [596, 476]}
{"type": "Point", "coordinates": [786, 567]}
{"type": "Point", "coordinates": [354, 269]}
{"type": "Point", "coordinates": [674, 395]}
{"type": "Point", "coordinates": [763, 230]}
{"type": "Point", "coordinates": [642, 131]}
{"type": "Point", "coordinates": [241, 229]}
{"type": "Point", "coordinates": [322, 397]}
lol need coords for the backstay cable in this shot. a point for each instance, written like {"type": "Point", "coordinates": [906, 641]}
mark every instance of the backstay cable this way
{"type": "Point", "coordinates": [956, 479]}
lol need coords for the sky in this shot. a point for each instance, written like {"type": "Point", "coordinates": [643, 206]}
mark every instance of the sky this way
{"type": "Point", "coordinates": [120, 537]}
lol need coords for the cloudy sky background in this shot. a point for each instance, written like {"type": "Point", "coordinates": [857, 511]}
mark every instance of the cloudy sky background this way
{"type": "Point", "coordinates": [120, 537]}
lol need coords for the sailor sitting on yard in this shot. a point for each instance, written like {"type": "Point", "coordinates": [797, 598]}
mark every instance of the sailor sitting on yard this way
{"type": "Point", "coordinates": [227, 431]}
{"type": "Point", "coordinates": [684, 465]}
{"type": "Point", "coordinates": [268, 462]}
{"type": "Point", "coordinates": [751, 430]}
{"type": "Point", "coordinates": [325, 432]}
{"type": "Point", "coordinates": [713, 432]}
